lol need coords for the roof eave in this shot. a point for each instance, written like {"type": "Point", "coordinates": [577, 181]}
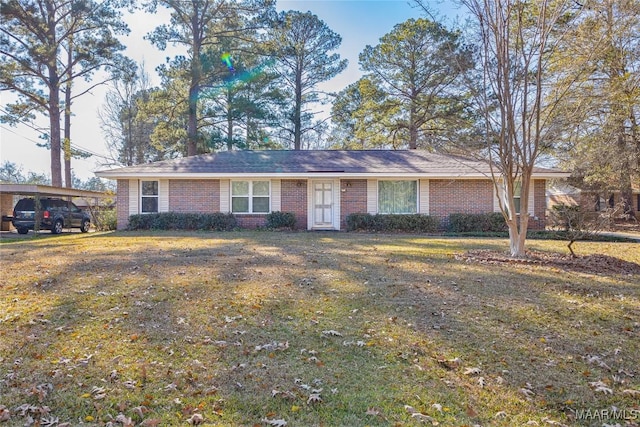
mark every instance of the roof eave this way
{"type": "Point", "coordinates": [314, 175]}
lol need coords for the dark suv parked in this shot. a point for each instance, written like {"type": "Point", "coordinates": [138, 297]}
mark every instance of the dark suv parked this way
{"type": "Point", "coordinates": [53, 214]}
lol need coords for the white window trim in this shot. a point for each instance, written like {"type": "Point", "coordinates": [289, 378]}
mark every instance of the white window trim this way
{"type": "Point", "coordinates": [423, 197]}
{"type": "Point", "coordinates": [134, 198]}
{"type": "Point", "coordinates": [502, 194]}
{"type": "Point", "coordinates": [250, 196]}
{"type": "Point", "coordinates": [417, 181]}
{"type": "Point", "coordinates": [142, 196]}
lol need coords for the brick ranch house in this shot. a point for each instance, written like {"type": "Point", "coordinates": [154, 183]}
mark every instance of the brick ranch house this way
{"type": "Point", "coordinates": [320, 187]}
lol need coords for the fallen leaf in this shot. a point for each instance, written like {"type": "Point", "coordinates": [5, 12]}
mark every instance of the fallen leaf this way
{"type": "Point", "coordinates": [472, 371]}
{"type": "Point", "coordinates": [527, 392]}
{"type": "Point", "coordinates": [49, 421]}
{"type": "Point", "coordinates": [314, 398]}
{"type": "Point", "coordinates": [124, 420]}
{"type": "Point", "coordinates": [601, 387]}
{"type": "Point", "coordinates": [275, 422]}
{"type": "Point", "coordinates": [5, 415]}
{"type": "Point", "coordinates": [471, 412]}
{"type": "Point", "coordinates": [196, 419]}
{"type": "Point", "coordinates": [171, 387]}
{"type": "Point", "coordinates": [419, 415]}
{"type": "Point", "coordinates": [140, 410]}
{"type": "Point", "coordinates": [284, 394]}
{"type": "Point", "coordinates": [449, 363]}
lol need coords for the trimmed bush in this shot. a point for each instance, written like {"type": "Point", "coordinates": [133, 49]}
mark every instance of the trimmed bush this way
{"type": "Point", "coordinates": [183, 221]}
{"type": "Point", "coordinates": [413, 223]}
{"type": "Point", "coordinates": [464, 223]}
{"type": "Point", "coordinates": [279, 219]}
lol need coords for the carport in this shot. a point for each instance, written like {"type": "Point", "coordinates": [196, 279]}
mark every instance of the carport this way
{"type": "Point", "coordinates": [8, 191]}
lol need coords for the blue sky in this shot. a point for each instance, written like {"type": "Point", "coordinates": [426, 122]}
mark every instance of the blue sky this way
{"type": "Point", "coordinates": [359, 22]}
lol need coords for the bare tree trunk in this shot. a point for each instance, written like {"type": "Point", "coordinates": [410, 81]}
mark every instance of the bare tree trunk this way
{"type": "Point", "coordinates": [194, 90]}
{"type": "Point", "coordinates": [67, 117]}
{"type": "Point", "coordinates": [517, 241]}
{"type": "Point", "coordinates": [626, 192]}
{"type": "Point", "coordinates": [67, 135]}
{"type": "Point", "coordinates": [413, 128]}
{"type": "Point", "coordinates": [192, 123]}
{"type": "Point", "coordinates": [297, 112]}
{"type": "Point", "coordinates": [617, 69]}
{"type": "Point", "coordinates": [54, 103]}
{"type": "Point", "coordinates": [54, 124]}
{"type": "Point", "coordinates": [229, 131]}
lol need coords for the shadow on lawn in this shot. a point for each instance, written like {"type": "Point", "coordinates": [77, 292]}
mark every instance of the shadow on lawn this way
{"type": "Point", "coordinates": [518, 324]}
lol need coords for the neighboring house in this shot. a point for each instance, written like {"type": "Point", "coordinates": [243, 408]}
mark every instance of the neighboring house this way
{"type": "Point", "coordinates": [563, 193]}
{"type": "Point", "coordinates": [320, 187]}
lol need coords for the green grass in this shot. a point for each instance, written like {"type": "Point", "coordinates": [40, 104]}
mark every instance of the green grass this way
{"type": "Point", "coordinates": [241, 327]}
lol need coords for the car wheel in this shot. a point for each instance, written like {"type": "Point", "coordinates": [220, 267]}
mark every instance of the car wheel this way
{"type": "Point", "coordinates": [85, 225]}
{"type": "Point", "coordinates": [57, 227]}
{"type": "Point", "coordinates": [23, 230]}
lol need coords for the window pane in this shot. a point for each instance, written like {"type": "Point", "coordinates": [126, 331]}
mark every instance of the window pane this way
{"type": "Point", "coordinates": [239, 204]}
{"type": "Point", "coordinates": [517, 189]}
{"type": "Point", "coordinates": [385, 197]}
{"type": "Point", "coordinates": [261, 204]}
{"type": "Point", "coordinates": [240, 188]}
{"type": "Point", "coordinates": [516, 204]}
{"type": "Point", "coordinates": [149, 204]}
{"type": "Point", "coordinates": [397, 197]}
{"type": "Point", "coordinates": [261, 188]}
{"type": "Point", "coordinates": [149, 188]}
{"type": "Point", "coordinates": [407, 197]}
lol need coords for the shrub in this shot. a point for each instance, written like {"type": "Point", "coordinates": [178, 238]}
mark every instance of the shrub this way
{"type": "Point", "coordinates": [414, 223]}
{"type": "Point", "coordinates": [103, 215]}
{"type": "Point", "coordinates": [105, 220]}
{"type": "Point", "coordinates": [489, 222]}
{"type": "Point", "coordinates": [279, 219]}
{"type": "Point", "coordinates": [577, 223]}
{"type": "Point", "coordinates": [183, 221]}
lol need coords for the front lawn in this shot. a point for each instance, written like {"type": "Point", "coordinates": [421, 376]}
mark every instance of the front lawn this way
{"type": "Point", "coordinates": [332, 329]}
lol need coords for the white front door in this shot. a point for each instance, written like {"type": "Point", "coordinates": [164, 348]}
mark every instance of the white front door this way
{"type": "Point", "coordinates": [323, 204]}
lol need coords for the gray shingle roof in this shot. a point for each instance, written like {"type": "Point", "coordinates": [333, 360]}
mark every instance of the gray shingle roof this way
{"type": "Point", "coordinates": [379, 162]}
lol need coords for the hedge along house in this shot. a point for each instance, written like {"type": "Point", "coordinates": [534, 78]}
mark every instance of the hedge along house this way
{"type": "Point", "coordinates": [320, 187]}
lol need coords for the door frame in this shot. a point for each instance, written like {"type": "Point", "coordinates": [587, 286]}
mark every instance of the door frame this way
{"type": "Point", "coordinates": [335, 208]}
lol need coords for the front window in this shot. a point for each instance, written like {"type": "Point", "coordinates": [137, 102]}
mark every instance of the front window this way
{"type": "Point", "coordinates": [149, 196]}
{"type": "Point", "coordinates": [250, 196]}
{"type": "Point", "coordinates": [397, 197]}
{"type": "Point", "coordinates": [517, 195]}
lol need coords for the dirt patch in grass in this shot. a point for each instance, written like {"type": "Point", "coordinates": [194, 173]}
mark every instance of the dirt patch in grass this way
{"type": "Point", "coordinates": [590, 264]}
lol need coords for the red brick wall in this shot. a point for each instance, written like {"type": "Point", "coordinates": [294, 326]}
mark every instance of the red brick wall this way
{"type": "Point", "coordinates": [445, 197]}
{"type": "Point", "coordinates": [460, 196]}
{"type": "Point", "coordinates": [199, 196]}
{"type": "Point", "coordinates": [539, 205]}
{"type": "Point", "coordinates": [353, 199]}
{"type": "Point", "coordinates": [294, 199]}
{"type": "Point", "coordinates": [122, 204]}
